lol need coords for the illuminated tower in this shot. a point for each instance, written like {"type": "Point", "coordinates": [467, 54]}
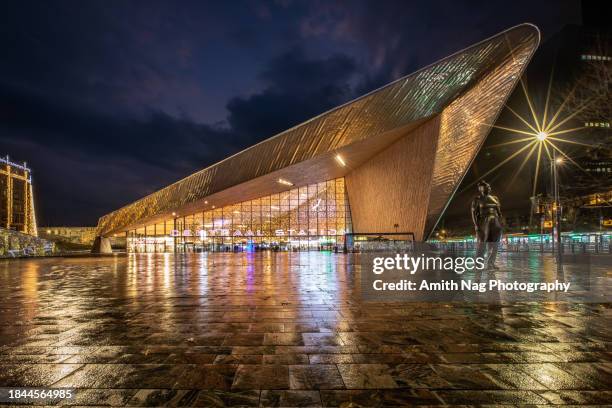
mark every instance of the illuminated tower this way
{"type": "Point", "coordinates": [16, 197]}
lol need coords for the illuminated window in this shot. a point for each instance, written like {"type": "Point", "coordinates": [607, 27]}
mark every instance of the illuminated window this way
{"type": "Point", "coordinates": [597, 124]}
{"type": "Point", "coordinates": [591, 57]}
{"type": "Point", "coordinates": [308, 216]}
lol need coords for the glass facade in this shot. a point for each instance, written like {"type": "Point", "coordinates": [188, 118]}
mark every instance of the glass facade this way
{"type": "Point", "coordinates": [312, 217]}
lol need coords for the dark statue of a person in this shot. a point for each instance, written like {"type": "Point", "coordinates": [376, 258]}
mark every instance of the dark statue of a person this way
{"type": "Point", "coordinates": [486, 215]}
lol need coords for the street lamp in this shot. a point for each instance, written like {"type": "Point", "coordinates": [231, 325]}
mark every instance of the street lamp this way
{"type": "Point", "coordinates": [542, 136]}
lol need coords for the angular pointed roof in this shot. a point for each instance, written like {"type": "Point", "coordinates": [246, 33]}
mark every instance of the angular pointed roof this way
{"type": "Point", "coordinates": [467, 89]}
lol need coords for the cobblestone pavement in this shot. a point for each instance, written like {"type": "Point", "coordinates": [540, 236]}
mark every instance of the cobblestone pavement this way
{"type": "Point", "coordinates": [285, 329]}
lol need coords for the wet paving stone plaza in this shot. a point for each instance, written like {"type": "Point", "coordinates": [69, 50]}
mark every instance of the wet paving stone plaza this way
{"type": "Point", "coordinates": [286, 329]}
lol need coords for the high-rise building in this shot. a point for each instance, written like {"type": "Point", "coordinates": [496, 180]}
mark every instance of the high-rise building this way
{"type": "Point", "coordinates": [16, 197]}
{"type": "Point", "coordinates": [582, 58]}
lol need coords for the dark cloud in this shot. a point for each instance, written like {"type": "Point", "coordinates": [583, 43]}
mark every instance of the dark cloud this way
{"type": "Point", "coordinates": [86, 163]}
{"type": "Point", "coordinates": [396, 37]}
{"type": "Point", "coordinates": [297, 88]}
{"type": "Point", "coordinates": [147, 139]}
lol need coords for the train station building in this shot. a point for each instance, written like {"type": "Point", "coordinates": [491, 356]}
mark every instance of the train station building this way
{"type": "Point", "coordinates": [388, 161]}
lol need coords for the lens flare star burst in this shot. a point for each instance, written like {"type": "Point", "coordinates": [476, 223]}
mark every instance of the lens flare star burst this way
{"type": "Point", "coordinates": [539, 134]}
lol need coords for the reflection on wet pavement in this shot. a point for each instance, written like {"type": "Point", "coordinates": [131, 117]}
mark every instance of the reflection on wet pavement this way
{"type": "Point", "coordinates": [285, 329]}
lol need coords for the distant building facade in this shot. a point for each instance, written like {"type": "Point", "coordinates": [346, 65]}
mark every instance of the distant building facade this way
{"type": "Point", "coordinates": [17, 211]}
{"type": "Point", "coordinates": [79, 236]}
{"type": "Point", "coordinates": [74, 235]}
{"type": "Point", "coordinates": [14, 244]}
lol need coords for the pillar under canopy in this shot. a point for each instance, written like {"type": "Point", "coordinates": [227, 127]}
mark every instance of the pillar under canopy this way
{"type": "Point", "coordinates": [102, 245]}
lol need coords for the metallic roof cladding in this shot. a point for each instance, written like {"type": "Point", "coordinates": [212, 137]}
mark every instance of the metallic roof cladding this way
{"type": "Point", "coordinates": [460, 87]}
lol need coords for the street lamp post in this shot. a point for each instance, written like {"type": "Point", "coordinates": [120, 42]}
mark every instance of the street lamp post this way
{"type": "Point", "coordinates": [556, 237]}
{"type": "Point", "coordinates": [174, 232]}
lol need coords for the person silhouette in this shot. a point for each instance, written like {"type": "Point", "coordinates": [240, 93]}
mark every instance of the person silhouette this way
{"type": "Point", "coordinates": [486, 216]}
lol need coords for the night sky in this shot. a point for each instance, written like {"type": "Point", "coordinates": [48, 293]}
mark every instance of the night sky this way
{"type": "Point", "coordinates": [108, 101]}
